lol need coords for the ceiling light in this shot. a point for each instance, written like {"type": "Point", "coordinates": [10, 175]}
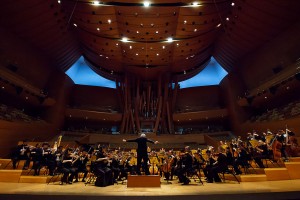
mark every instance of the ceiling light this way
{"type": "Point", "coordinates": [124, 39]}
{"type": "Point", "coordinates": [227, 18]}
{"type": "Point", "coordinates": [26, 98]}
{"type": "Point", "coordinates": [142, 24]}
{"type": "Point", "coordinates": [163, 47]}
{"type": "Point", "coordinates": [130, 47]}
{"type": "Point", "coordinates": [232, 4]}
{"type": "Point", "coordinates": [58, 1]}
{"type": "Point", "coordinates": [195, 4]}
{"type": "Point", "coordinates": [75, 25]}
{"type": "Point", "coordinates": [112, 72]}
{"type": "Point", "coordinates": [157, 54]}
{"type": "Point", "coordinates": [177, 44]}
{"type": "Point", "coordinates": [117, 44]}
{"type": "Point", "coordinates": [109, 21]}
{"type": "Point", "coordinates": [100, 55]}
{"type": "Point", "coordinates": [184, 21]}
{"type": "Point", "coordinates": [136, 54]}
{"type": "Point", "coordinates": [169, 39]}
{"type": "Point", "coordinates": [106, 57]}
{"type": "Point", "coordinates": [219, 25]}
{"type": "Point", "coordinates": [195, 30]}
{"type": "Point", "coordinates": [137, 32]}
{"type": "Point", "coordinates": [184, 72]}
{"type": "Point", "coordinates": [96, 3]}
{"type": "Point", "coordinates": [98, 29]}
{"type": "Point", "coordinates": [3, 87]}
{"type": "Point", "coordinates": [156, 32]}
{"type": "Point", "coordinates": [146, 3]}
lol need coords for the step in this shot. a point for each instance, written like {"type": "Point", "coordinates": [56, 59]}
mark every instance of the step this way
{"type": "Point", "coordinates": [143, 181]}
{"type": "Point", "coordinates": [275, 174]}
{"type": "Point", "coordinates": [294, 159]}
{"type": "Point", "coordinates": [33, 179]}
{"type": "Point", "coordinates": [12, 176]}
{"type": "Point", "coordinates": [253, 177]}
{"type": "Point", "coordinates": [293, 169]}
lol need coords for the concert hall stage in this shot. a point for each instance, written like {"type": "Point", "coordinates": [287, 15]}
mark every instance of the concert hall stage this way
{"type": "Point", "coordinates": [287, 189]}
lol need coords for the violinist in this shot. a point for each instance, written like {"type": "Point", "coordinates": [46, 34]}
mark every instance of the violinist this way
{"type": "Point", "coordinates": [282, 137]}
{"type": "Point", "coordinates": [186, 166]}
{"type": "Point", "coordinates": [37, 158]}
{"type": "Point", "coordinates": [103, 173]}
{"type": "Point", "coordinates": [68, 159]}
{"type": "Point", "coordinates": [80, 165]}
{"type": "Point", "coordinates": [21, 152]}
{"type": "Point", "coordinates": [48, 158]}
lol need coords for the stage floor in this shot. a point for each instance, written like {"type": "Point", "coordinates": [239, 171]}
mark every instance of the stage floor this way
{"type": "Point", "coordinates": [289, 189]}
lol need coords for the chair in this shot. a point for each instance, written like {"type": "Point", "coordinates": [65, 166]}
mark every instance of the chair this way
{"type": "Point", "coordinates": [195, 174]}
{"type": "Point", "coordinates": [228, 171]}
{"type": "Point", "coordinates": [57, 174]}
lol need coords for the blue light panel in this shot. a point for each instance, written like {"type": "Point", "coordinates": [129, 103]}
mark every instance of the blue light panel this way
{"type": "Point", "coordinates": [82, 74]}
{"type": "Point", "coordinates": [212, 74]}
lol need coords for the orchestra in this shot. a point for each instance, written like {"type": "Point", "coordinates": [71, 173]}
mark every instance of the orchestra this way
{"type": "Point", "coordinates": [112, 165]}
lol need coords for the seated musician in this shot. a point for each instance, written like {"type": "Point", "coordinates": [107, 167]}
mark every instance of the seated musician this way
{"type": "Point", "coordinates": [48, 158]}
{"type": "Point", "coordinates": [115, 167]}
{"type": "Point", "coordinates": [242, 158]}
{"type": "Point", "coordinates": [67, 166]}
{"type": "Point", "coordinates": [80, 165]}
{"type": "Point", "coordinates": [37, 157]}
{"type": "Point", "coordinates": [219, 166]}
{"type": "Point", "coordinates": [103, 173]}
{"type": "Point", "coordinates": [186, 166]}
{"type": "Point", "coordinates": [21, 152]}
{"type": "Point", "coordinates": [260, 152]}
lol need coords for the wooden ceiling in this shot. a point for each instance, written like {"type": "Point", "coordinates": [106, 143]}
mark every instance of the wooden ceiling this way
{"type": "Point", "coordinates": [227, 30]}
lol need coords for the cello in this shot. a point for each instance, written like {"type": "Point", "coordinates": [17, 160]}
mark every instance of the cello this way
{"type": "Point", "coordinates": [276, 148]}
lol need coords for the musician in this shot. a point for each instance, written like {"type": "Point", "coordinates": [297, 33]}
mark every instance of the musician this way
{"type": "Point", "coordinates": [103, 173]}
{"type": "Point", "coordinates": [48, 158]}
{"type": "Point", "coordinates": [67, 166]}
{"type": "Point", "coordinates": [80, 165]}
{"type": "Point", "coordinates": [186, 166]}
{"type": "Point", "coordinates": [37, 158]}
{"type": "Point", "coordinates": [21, 152]}
{"type": "Point", "coordinates": [219, 166]}
{"type": "Point", "coordinates": [142, 153]}
{"type": "Point", "coordinates": [282, 138]}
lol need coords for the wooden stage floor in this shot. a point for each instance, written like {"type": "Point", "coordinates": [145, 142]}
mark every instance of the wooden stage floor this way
{"type": "Point", "coordinates": [288, 189]}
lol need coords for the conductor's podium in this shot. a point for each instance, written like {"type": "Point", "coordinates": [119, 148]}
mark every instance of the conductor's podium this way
{"type": "Point", "coordinates": [143, 181]}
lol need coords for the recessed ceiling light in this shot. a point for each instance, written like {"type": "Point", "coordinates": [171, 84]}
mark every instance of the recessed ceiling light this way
{"type": "Point", "coordinates": [136, 54]}
{"type": "Point", "coordinates": [163, 47]}
{"type": "Point", "coordinates": [232, 4]}
{"type": "Point", "coordinates": [124, 39]}
{"type": "Point", "coordinates": [75, 25]}
{"type": "Point", "coordinates": [219, 25]}
{"type": "Point", "coordinates": [106, 57]}
{"type": "Point", "coordinates": [157, 54]}
{"type": "Point", "coordinates": [177, 44]}
{"type": "Point", "coordinates": [169, 39]}
{"type": "Point", "coordinates": [156, 32]}
{"type": "Point", "coordinates": [100, 55]}
{"type": "Point", "coordinates": [137, 32]}
{"type": "Point", "coordinates": [26, 98]}
{"type": "Point", "coordinates": [184, 21]}
{"type": "Point", "coordinates": [3, 87]}
{"type": "Point", "coordinates": [117, 44]}
{"type": "Point", "coordinates": [58, 1]}
{"type": "Point", "coordinates": [130, 47]}
{"type": "Point", "coordinates": [195, 30]}
{"type": "Point", "coordinates": [184, 72]}
{"type": "Point", "coordinates": [195, 4]}
{"type": "Point", "coordinates": [96, 3]}
{"type": "Point", "coordinates": [98, 29]}
{"type": "Point", "coordinates": [109, 21]}
{"type": "Point", "coordinates": [146, 3]}
{"type": "Point", "coordinates": [227, 18]}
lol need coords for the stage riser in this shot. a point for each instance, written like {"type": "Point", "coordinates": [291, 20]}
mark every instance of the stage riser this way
{"type": "Point", "coordinates": [276, 174]}
{"type": "Point", "coordinates": [293, 169]}
{"type": "Point", "coordinates": [143, 181]}
{"type": "Point", "coordinates": [11, 176]}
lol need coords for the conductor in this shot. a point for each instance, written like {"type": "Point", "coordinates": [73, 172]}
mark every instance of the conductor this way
{"type": "Point", "coordinates": [142, 152]}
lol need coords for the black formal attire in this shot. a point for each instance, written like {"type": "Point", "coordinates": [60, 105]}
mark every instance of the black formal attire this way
{"type": "Point", "coordinates": [142, 153]}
